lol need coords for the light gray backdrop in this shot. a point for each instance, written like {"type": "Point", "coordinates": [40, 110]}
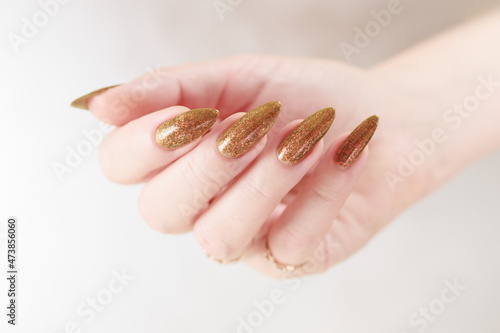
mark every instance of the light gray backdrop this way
{"type": "Point", "coordinates": [79, 232]}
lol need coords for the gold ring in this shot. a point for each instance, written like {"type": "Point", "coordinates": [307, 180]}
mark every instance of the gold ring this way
{"type": "Point", "coordinates": [222, 261]}
{"type": "Point", "coordinates": [281, 266]}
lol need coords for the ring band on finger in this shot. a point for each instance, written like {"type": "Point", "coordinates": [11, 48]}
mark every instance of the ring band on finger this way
{"type": "Point", "coordinates": [223, 261]}
{"type": "Point", "coordinates": [279, 265]}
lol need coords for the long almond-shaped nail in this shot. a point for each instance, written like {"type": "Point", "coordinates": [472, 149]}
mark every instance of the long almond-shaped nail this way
{"type": "Point", "coordinates": [185, 128]}
{"type": "Point", "coordinates": [295, 147]}
{"type": "Point", "coordinates": [247, 131]}
{"type": "Point", "coordinates": [83, 102]}
{"type": "Point", "coordinates": [354, 144]}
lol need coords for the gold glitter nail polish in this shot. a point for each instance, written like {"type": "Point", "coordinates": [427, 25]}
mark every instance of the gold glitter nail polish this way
{"type": "Point", "coordinates": [247, 131]}
{"type": "Point", "coordinates": [82, 102]}
{"type": "Point", "coordinates": [356, 141]}
{"type": "Point", "coordinates": [295, 147]}
{"type": "Point", "coordinates": [185, 128]}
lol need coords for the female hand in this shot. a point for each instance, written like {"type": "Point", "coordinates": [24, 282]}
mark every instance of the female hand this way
{"type": "Point", "coordinates": [312, 214]}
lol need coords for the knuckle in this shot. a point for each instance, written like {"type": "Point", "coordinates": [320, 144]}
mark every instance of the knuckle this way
{"type": "Point", "coordinates": [325, 195]}
{"type": "Point", "coordinates": [112, 158]}
{"type": "Point", "coordinates": [298, 237]}
{"type": "Point", "coordinates": [105, 162]}
{"type": "Point", "coordinates": [217, 244]}
{"type": "Point", "coordinates": [194, 173]}
{"type": "Point", "coordinates": [156, 221]}
{"type": "Point", "coordinates": [254, 186]}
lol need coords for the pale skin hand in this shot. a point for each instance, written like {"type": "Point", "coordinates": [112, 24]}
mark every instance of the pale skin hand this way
{"type": "Point", "coordinates": [335, 211]}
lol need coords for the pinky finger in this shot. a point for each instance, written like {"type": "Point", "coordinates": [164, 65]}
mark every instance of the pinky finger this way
{"type": "Point", "coordinates": [302, 226]}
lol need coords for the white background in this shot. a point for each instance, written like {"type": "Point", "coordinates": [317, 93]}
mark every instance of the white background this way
{"type": "Point", "coordinates": [75, 233]}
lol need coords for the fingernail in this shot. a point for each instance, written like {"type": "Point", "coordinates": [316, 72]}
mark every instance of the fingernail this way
{"type": "Point", "coordinates": [185, 128]}
{"type": "Point", "coordinates": [246, 132]}
{"type": "Point", "coordinates": [82, 102]}
{"type": "Point", "coordinates": [295, 147]}
{"type": "Point", "coordinates": [354, 144]}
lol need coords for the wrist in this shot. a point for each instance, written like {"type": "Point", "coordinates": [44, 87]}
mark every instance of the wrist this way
{"type": "Point", "coordinates": [436, 138]}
